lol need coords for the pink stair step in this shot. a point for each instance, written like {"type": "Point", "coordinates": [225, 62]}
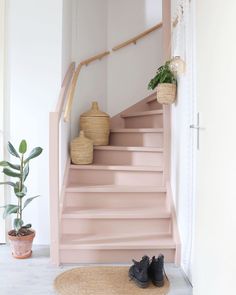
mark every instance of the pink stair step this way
{"type": "Point", "coordinates": [120, 155]}
{"type": "Point", "coordinates": [145, 119]}
{"type": "Point", "coordinates": [147, 137]}
{"type": "Point", "coordinates": [121, 213]}
{"type": "Point", "coordinates": [115, 174]}
{"type": "Point", "coordinates": [73, 225]}
{"type": "Point", "coordinates": [115, 249]}
{"type": "Point", "coordinates": [114, 196]}
{"type": "Point", "coordinates": [147, 241]}
{"type": "Point", "coordinates": [87, 256]}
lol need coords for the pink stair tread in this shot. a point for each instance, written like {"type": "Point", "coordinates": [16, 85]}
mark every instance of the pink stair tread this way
{"type": "Point", "coordinates": [144, 113]}
{"type": "Point", "coordinates": [96, 213]}
{"type": "Point", "coordinates": [135, 242]}
{"type": "Point", "coordinates": [116, 167]}
{"type": "Point", "coordinates": [114, 188]}
{"type": "Point", "coordinates": [137, 130]}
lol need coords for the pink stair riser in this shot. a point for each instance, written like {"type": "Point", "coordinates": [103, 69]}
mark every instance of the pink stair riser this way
{"type": "Point", "coordinates": [118, 177]}
{"type": "Point", "coordinates": [145, 121]}
{"type": "Point", "coordinates": [112, 200]}
{"type": "Point", "coordinates": [113, 256]}
{"type": "Point", "coordinates": [133, 138]}
{"type": "Point", "coordinates": [135, 158]}
{"type": "Point", "coordinates": [114, 226]}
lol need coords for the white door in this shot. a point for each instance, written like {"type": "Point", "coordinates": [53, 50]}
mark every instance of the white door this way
{"type": "Point", "coordinates": [2, 143]}
{"type": "Point", "coordinates": [215, 238]}
{"type": "Point", "coordinates": [184, 146]}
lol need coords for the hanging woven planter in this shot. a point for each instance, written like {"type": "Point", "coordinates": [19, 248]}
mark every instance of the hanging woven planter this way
{"type": "Point", "coordinates": [81, 150]}
{"type": "Point", "coordinates": [96, 125]}
{"type": "Point", "coordinates": [166, 93]}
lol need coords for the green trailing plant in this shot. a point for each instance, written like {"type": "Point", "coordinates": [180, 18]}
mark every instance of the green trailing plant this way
{"type": "Point", "coordinates": [163, 75]}
{"type": "Point", "coordinates": [19, 172]}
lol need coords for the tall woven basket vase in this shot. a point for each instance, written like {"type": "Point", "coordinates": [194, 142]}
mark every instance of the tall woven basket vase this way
{"type": "Point", "coordinates": [81, 150]}
{"type": "Point", "coordinates": [96, 125]}
{"type": "Point", "coordinates": [166, 93]}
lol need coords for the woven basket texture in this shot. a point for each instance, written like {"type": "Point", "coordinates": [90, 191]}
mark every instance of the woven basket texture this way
{"type": "Point", "coordinates": [96, 125]}
{"type": "Point", "coordinates": [166, 93]}
{"type": "Point", "coordinates": [81, 150]}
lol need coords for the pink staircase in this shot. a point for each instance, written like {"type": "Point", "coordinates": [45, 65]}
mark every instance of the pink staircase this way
{"type": "Point", "coordinates": [120, 207]}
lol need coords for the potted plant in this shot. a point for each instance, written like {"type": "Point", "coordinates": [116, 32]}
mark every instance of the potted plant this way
{"type": "Point", "coordinates": [22, 235]}
{"type": "Point", "coordinates": [165, 82]}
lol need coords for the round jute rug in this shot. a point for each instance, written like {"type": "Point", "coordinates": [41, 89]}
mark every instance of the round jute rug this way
{"type": "Point", "coordinates": [110, 280]}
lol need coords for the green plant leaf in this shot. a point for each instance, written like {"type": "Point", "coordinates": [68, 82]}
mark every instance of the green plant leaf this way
{"type": "Point", "coordinates": [34, 153]}
{"type": "Point", "coordinates": [11, 173]}
{"type": "Point", "coordinates": [18, 224]}
{"type": "Point", "coordinates": [8, 164]}
{"type": "Point", "coordinates": [29, 200]}
{"type": "Point", "coordinates": [26, 171]}
{"type": "Point", "coordinates": [8, 183]}
{"type": "Point", "coordinates": [12, 150]}
{"type": "Point", "coordinates": [10, 209]}
{"type": "Point", "coordinates": [23, 147]}
{"type": "Point", "coordinates": [27, 225]}
{"type": "Point", "coordinates": [22, 193]}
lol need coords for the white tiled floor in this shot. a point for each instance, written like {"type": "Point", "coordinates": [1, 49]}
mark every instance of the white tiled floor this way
{"type": "Point", "coordinates": [35, 276]}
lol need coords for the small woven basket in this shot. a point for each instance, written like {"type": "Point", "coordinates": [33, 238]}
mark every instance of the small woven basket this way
{"type": "Point", "coordinates": [166, 93]}
{"type": "Point", "coordinates": [96, 125]}
{"type": "Point", "coordinates": [81, 150]}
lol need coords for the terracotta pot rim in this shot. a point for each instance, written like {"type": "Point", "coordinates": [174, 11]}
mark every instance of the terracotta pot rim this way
{"type": "Point", "coordinates": [22, 238]}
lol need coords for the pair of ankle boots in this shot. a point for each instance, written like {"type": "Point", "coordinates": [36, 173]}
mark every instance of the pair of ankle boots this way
{"type": "Point", "coordinates": [143, 272]}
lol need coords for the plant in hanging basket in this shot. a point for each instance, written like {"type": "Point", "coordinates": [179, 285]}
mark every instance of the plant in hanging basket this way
{"type": "Point", "coordinates": [165, 81]}
{"type": "Point", "coordinates": [21, 236]}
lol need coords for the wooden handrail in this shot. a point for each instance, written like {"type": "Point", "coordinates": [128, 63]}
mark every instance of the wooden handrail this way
{"type": "Point", "coordinates": [99, 56]}
{"type": "Point", "coordinates": [72, 88]}
{"type": "Point", "coordinates": [138, 37]}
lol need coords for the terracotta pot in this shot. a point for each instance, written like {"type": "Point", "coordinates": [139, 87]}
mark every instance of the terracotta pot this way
{"type": "Point", "coordinates": [21, 247]}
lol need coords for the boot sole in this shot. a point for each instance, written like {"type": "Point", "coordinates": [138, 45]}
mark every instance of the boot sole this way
{"type": "Point", "coordinates": [142, 285]}
{"type": "Point", "coordinates": [158, 283]}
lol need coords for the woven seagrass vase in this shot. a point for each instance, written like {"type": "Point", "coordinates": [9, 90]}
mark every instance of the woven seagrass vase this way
{"type": "Point", "coordinates": [166, 93]}
{"type": "Point", "coordinates": [81, 150]}
{"type": "Point", "coordinates": [96, 125]}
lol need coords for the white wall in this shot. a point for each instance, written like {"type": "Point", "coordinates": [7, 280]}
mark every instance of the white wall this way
{"type": "Point", "coordinates": [183, 144]}
{"type": "Point", "coordinates": [89, 38]}
{"type": "Point", "coordinates": [121, 79]}
{"type": "Point", "coordinates": [131, 68]}
{"type": "Point", "coordinates": [215, 242]}
{"type": "Point", "coordinates": [34, 77]}
{"type": "Point", "coordinates": [67, 12]}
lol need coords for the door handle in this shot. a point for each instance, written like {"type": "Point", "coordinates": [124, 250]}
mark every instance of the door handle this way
{"type": "Point", "coordinates": [194, 126]}
{"type": "Point", "coordinates": [198, 128]}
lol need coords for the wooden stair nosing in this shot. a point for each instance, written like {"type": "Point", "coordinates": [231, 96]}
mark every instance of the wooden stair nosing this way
{"type": "Point", "coordinates": [128, 148]}
{"type": "Point", "coordinates": [117, 168]}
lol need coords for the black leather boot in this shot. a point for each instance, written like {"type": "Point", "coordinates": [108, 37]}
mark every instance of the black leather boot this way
{"type": "Point", "coordinates": [139, 272]}
{"type": "Point", "coordinates": [156, 271]}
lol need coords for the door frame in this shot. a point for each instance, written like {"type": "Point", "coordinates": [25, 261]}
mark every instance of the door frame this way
{"type": "Point", "coordinates": [3, 113]}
